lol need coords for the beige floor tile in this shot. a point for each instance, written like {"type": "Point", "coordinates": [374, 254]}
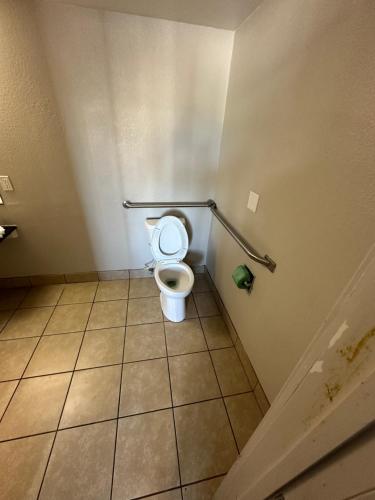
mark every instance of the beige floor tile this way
{"type": "Point", "coordinates": [10, 298]}
{"type": "Point", "coordinates": [191, 310]}
{"type": "Point", "coordinates": [107, 314]}
{"type": "Point", "coordinates": [146, 310]}
{"type": "Point", "coordinates": [24, 461]}
{"type": "Point", "coordinates": [27, 323]}
{"type": "Point", "coordinates": [43, 296]}
{"type": "Point", "coordinates": [112, 290]}
{"type": "Point", "coordinates": [101, 348]}
{"type": "Point", "coordinates": [78, 293]}
{"type": "Point", "coordinates": [261, 398]}
{"type": "Point", "coordinates": [244, 415]}
{"type": "Point", "coordinates": [35, 407]}
{"type": "Point", "coordinates": [202, 491]}
{"type": "Point", "coordinates": [231, 375]}
{"type": "Point", "coordinates": [14, 356]}
{"type": "Point", "coordinates": [145, 387]}
{"type": "Point", "coordinates": [4, 318]}
{"type": "Point", "coordinates": [216, 332]}
{"type": "Point", "coordinates": [184, 337]}
{"type": "Point", "coordinates": [205, 441]}
{"type": "Point", "coordinates": [201, 283]}
{"type": "Point", "coordinates": [93, 396]}
{"type": "Point", "coordinates": [168, 495]}
{"type": "Point", "coordinates": [144, 342]}
{"type": "Point", "coordinates": [246, 363]}
{"type": "Point", "coordinates": [206, 304]}
{"type": "Point", "coordinates": [192, 378]}
{"type": "Point", "coordinates": [6, 392]}
{"type": "Point", "coordinates": [54, 354]}
{"type": "Point", "coordinates": [81, 464]}
{"type": "Point", "coordinates": [143, 287]}
{"type": "Point", "coordinates": [70, 318]}
{"type": "Point", "coordinates": [146, 458]}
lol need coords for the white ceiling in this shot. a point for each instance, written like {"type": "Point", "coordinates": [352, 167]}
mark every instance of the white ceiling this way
{"type": "Point", "coordinates": [227, 14]}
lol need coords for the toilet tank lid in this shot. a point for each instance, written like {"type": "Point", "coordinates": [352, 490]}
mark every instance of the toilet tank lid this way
{"type": "Point", "coordinates": [169, 240]}
{"type": "Point", "coordinates": [151, 222]}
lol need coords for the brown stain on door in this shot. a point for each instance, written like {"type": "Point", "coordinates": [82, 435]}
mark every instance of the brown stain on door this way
{"type": "Point", "coordinates": [352, 351]}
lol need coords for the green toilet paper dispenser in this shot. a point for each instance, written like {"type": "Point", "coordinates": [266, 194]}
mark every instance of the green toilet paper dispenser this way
{"type": "Point", "coordinates": [243, 277]}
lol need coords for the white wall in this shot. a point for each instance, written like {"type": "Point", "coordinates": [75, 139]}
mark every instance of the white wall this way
{"type": "Point", "coordinates": [98, 107]}
{"type": "Point", "coordinates": [299, 130]}
{"type": "Point", "coordinates": [142, 102]}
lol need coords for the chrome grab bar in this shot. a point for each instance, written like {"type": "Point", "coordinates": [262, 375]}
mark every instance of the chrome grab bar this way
{"type": "Point", "coordinates": [246, 247]}
{"type": "Point", "coordinates": [166, 204]}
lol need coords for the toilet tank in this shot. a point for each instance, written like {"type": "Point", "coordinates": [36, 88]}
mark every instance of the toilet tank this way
{"type": "Point", "coordinates": [150, 223]}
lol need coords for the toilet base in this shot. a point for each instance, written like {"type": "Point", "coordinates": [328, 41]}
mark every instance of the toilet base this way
{"type": "Point", "coordinates": [173, 308]}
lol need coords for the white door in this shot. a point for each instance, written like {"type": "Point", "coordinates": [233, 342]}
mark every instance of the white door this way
{"type": "Point", "coordinates": [328, 398]}
{"type": "Point", "coordinates": [347, 473]}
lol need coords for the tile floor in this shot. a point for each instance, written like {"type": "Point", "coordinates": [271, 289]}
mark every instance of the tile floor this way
{"type": "Point", "coordinates": [101, 397]}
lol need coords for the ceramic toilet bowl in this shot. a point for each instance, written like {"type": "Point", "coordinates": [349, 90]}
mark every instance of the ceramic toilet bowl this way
{"type": "Point", "coordinates": [175, 281]}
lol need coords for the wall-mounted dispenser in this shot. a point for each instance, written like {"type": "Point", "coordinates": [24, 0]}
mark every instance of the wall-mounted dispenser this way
{"type": "Point", "coordinates": [243, 277]}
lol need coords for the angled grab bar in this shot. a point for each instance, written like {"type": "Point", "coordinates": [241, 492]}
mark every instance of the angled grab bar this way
{"type": "Point", "coordinates": [246, 247]}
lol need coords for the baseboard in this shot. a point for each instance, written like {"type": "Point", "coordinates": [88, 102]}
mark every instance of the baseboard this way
{"type": "Point", "coordinates": [255, 384]}
{"type": "Point", "coordinates": [80, 277]}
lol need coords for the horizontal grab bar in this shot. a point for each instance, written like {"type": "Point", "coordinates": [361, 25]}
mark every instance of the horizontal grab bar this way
{"type": "Point", "coordinates": [246, 247]}
{"type": "Point", "coordinates": [166, 204]}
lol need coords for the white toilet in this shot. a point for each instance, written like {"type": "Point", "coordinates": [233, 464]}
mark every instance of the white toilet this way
{"type": "Point", "coordinates": [169, 244]}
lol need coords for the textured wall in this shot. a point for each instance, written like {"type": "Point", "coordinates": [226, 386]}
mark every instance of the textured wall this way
{"type": "Point", "coordinates": [45, 203]}
{"type": "Point", "coordinates": [299, 130]}
{"type": "Point", "coordinates": [142, 104]}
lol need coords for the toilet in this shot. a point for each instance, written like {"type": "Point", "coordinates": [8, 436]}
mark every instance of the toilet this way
{"type": "Point", "coordinates": [169, 244]}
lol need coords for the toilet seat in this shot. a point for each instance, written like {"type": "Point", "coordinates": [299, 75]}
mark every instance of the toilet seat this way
{"type": "Point", "coordinates": [178, 272]}
{"type": "Point", "coordinates": [169, 241]}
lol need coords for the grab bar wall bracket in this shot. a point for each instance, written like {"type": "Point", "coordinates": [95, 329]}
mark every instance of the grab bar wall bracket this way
{"type": "Point", "coordinates": [246, 247]}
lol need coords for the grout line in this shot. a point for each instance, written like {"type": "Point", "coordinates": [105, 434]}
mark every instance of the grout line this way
{"type": "Point", "coordinates": [21, 338]}
{"type": "Point", "coordinates": [203, 480]}
{"type": "Point", "coordinates": [179, 487]}
{"type": "Point", "coordinates": [218, 383]}
{"type": "Point", "coordinates": [173, 415]}
{"type": "Point", "coordinates": [58, 429]}
{"type": "Point", "coordinates": [151, 495]}
{"type": "Point", "coordinates": [121, 417]}
{"type": "Point", "coordinates": [119, 401]}
{"type": "Point", "coordinates": [222, 308]}
{"type": "Point", "coordinates": [148, 323]}
{"type": "Point", "coordinates": [87, 329]}
{"type": "Point", "coordinates": [63, 405]}
{"type": "Point", "coordinates": [85, 368]}
{"type": "Point", "coordinates": [24, 370]}
{"type": "Point", "coordinates": [143, 360]}
{"type": "Point", "coordinates": [71, 303]}
{"type": "Point", "coordinates": [13, 311]}
{"type": "Point", "coordinates": [68, 286]}
{"type": "Point", "coordinates": [75, 370]}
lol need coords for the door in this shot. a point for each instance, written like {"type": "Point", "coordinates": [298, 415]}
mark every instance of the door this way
{"type": "Point", "coordinates": [328, 398]}
{"type": "Point", "coordinates": [347, 473]}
